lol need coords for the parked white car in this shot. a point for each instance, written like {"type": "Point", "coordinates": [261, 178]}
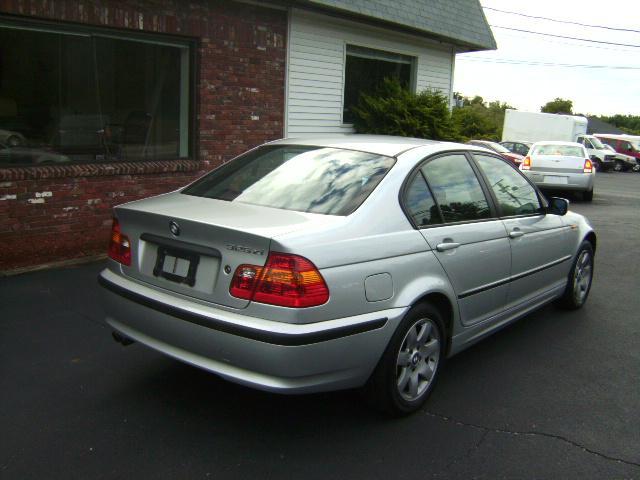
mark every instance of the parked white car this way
{"type": "Point", "coordinates": [560, 166]}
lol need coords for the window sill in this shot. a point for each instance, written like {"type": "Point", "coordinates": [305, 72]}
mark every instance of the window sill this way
{"type": "Point", "coordinates": [98, 169]}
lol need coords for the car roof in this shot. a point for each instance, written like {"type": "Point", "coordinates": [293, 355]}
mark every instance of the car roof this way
{"type": "Point", "coordinates": [378, 144]}
{"type": "Point", "coordinates": [554, 142]}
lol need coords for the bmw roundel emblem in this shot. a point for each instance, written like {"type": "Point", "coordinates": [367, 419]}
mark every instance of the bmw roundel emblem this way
{"type": "Point", "coordinates": [175, 228]}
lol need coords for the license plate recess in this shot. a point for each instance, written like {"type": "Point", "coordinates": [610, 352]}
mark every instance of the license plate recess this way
{"type": "Point", "coordinates": [176, 265]}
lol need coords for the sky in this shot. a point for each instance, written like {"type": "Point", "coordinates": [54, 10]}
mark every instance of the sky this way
{"type": "Point", "coordinates": [599, 91]}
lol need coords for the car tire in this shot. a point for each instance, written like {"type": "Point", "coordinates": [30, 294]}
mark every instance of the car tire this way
{"type": "Point", "coordinates": [587, 196]}
{"type": "Point", "coordinates": [597, 165]}
{"type": "Point", "coordinates": [408, 370]}
{"type": "Point", "coordinates": [618, 167]}
{"type": "Point", "coordinates": [579, 280]}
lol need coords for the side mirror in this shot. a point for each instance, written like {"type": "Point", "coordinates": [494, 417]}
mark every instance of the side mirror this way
{"type": "Point", "coordinates": [558, 206]}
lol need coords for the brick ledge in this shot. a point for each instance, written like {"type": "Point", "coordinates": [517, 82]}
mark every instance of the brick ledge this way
{"type": "Point", "coordinates": [100, 169]}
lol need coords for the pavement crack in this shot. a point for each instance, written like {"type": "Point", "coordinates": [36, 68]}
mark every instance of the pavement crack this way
{"type": "Point", "coordinates": [523, 433]}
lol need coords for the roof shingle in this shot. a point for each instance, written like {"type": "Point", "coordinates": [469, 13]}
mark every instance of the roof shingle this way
{"type": "Point", "coordinates": [462, 22]}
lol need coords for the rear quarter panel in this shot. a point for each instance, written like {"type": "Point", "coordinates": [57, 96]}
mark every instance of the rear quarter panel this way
{"type": "Point", "coordinates": [376, 239]}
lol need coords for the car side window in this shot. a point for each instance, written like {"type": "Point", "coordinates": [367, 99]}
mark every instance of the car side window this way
{"type": "Point", "coordinates": [456, 188]}
{"type": "Point", "coordinates": [514, 193]}
{"type": "Point", "coordinates": [420, 204]}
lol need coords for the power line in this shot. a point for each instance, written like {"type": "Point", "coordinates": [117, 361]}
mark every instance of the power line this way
{"type": "Point", "coordinates": [562, 21]}
{"type": "Point", "coordinates": [562, 36]}
{"type": "Point", "coordinates": [556, 42]}
{"type": "Point", "coordinates": [510, 61]}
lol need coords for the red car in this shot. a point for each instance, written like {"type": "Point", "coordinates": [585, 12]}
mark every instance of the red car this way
{"type": "Point", "coordinates": [515, 158]}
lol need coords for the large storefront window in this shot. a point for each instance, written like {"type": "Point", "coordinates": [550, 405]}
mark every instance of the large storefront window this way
{"type": "Point", "coordinates": [366, 68]}
{"type": "Point", "coordinates": [75, 97]}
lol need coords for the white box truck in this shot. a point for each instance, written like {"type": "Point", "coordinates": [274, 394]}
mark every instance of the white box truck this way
{"type": "Point", "coordinates": [537, 127]}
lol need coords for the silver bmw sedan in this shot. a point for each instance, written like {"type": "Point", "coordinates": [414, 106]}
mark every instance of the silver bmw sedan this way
{"type": "Point", "coordinates": [317, 264]}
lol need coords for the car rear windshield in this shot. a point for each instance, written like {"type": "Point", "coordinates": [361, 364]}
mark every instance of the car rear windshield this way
{"type": "Point", "coordinates": [322, 180]}
{"type": "Point", "coordinates": [498, 148]}
{"type": "Point", "coordinates": [561, 150]}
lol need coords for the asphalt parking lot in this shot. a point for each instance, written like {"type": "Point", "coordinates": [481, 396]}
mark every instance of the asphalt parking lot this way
{"type": "Point", "coordinates": [556, 395]}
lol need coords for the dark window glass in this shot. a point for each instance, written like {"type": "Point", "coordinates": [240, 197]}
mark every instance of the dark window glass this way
{"type": "Point", "coordinates": [366, 68]}
{"type": "Point", "coordinates": [521, 148]}
{"type": "Point", "coordinates": [309, 179]}
{"type": "Point", "coordinates": [515, 195]}
{"type": "Point", "coordinates": [83, 97]}
{"type": "Point", "coordinates": [420, 204]}
{"type": "Point", "coordinates": [456, 189]}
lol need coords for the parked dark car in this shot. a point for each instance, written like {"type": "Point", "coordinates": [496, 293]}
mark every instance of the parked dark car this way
{"type": "Point", "coordinates": [514, 158]}
{"type": "Point", "coordinates": [521, 148]}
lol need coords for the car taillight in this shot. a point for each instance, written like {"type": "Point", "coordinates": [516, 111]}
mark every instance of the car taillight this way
{"type": "Point", "coordinates": [588, 166]}
{"type": "Point", "coordinates": [119, 246]}
{"type": "Point", "coordinates": [286, 280]}
{"type": "Point", "coordinates": [526, 163]}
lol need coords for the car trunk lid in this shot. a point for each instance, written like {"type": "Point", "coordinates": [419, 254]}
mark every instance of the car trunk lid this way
{"type": "Point", "coordinates": [557, 163]}
{"type": "Point", "coordinates": [192, 245]}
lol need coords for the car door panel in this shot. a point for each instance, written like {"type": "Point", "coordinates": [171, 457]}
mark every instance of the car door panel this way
{"type": "Point", "coordinates": [478, 267]}
{"type": "Point", "coordinates": [537, 239]}
{"type": "Point", "coordinates": [469, 243]}
{"type": "Point", "coordinates": [539, 258]}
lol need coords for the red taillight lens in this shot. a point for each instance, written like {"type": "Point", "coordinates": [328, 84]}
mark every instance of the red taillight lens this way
{"type": "Point", "coordinates": [526, 163]}
{"type": "Point", "coordinates": [588, 166]}
{"type": "Point", "coordinates": [119, 246]}
{"type": "Point", "coordinates": [286, 280]}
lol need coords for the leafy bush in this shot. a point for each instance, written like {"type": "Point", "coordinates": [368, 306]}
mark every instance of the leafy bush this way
{"type": "Point", "coordinates": [394, 110]}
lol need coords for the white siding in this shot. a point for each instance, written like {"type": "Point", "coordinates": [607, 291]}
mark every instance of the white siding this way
{"type": "Point", "coordinates": [315, 68]}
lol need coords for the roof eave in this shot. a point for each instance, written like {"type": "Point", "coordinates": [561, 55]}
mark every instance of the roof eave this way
{"type": "Point", "coordinates": [461, 46]}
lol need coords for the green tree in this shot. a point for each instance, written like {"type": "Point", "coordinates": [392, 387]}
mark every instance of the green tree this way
{"type": "Point", "coordinates": [476, 119]}
{"type": "Point", "coordinates": [558, 105]}
{"type": "Point", "coordinates": [394, 110]}
{"type": "Point", "coordinates": [627, 123]}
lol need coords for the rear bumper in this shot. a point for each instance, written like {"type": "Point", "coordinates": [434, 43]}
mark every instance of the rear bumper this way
{"type": "Point", "coordinates": [572, 181]}
{"type": "Point", "coordinates": [273, 356]}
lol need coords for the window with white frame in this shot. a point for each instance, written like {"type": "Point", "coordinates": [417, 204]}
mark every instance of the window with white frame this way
{"type": "Point", "coordinates": [366, 68]}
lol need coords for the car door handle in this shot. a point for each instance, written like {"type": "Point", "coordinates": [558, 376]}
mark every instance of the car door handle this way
{"type": "Point", "coordinates": [516, 233]}
{"type": "Point", "coordinates": [443, 247]}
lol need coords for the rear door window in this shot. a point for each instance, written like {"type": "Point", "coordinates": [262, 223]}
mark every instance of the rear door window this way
{"type": "Point", "coordinates": [329, 181]}
{"type": "Point", "coordinates": [420, 203]}
{"type": "Point", "coordinates": [456, 188]}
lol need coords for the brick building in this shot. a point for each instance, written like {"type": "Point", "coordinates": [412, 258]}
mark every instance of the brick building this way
{"type": "Point", "coordinates": [107, 101]}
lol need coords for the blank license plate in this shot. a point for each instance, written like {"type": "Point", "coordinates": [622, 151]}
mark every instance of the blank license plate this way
{"type": "Point", "coordinates": [555, 179]}
{"type": "Point", "coordinates": [176, 265]}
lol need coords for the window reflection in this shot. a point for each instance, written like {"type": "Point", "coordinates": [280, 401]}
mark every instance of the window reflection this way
{"type": "Point", "coordinates": [515, 195]}
{"type": "Point", "coordinates": [309, 179]}
{"type": "Point", "coordinates": [456, 189]}
{"type": "Point", "coordinates": [420, 204]}
{"type": "Point", "coordinates": [72, 97]}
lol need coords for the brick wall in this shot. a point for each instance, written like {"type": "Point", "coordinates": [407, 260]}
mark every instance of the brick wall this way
{"type": "Point", "coordinates": [50, 213]}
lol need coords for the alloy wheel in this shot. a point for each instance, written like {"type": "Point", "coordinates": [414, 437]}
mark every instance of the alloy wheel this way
{"type": "Point", "coordinates": [418, 359]}
{"type": "Point", "coordinates": [582, 277]}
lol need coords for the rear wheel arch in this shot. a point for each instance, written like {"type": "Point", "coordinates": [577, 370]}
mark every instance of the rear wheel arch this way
{"type": "Point", "coordinates": [443, 304]}
{"type": "Point", "coordinates": [591, 238]}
